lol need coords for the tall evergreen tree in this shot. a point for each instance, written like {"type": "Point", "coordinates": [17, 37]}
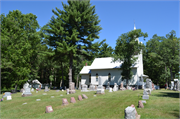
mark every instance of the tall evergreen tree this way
{"type": "Point", "coordinates": [74, 29]}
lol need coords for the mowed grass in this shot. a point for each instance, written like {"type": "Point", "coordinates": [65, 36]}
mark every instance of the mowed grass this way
{"type": "Point", "coordinates": [161, 104]}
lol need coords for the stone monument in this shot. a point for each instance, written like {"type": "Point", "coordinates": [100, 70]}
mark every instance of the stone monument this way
{"type": "Point", "coordinates": [115, 87]}
{"type": "Point", "coordinates": [67, 91]}
{"type": "Point", "coordinates": [73, 100]}
{"type": "Point", "coordinates": [121, 87]}
{"type": "Point", "coordinates": [80, 98]}
{"type": "Point", "coordinates": [49, 109]}
{"type": "Point", "coordinates": [64, 101]}
{"type": "Point", "coordinates": [71, 88]}
{"type": "Point", "coordinates": [27, 90]}
{"type": "Point", "coordinates": [92, 87]}
{"type": "Point", "coordinates": [84, 96]}
{"type": "Point", "coordinates": [148, 89]}
{"type": "Point", "coordinates": [172, 85]}
{"type": "Point", "coordinates": [100, 89]}
{"type": "Point", "coordinates": [145, 95]}
{"type": "Point", "coordinates": [110, 89]}
{"type": "Point", "coordinates": [46, 89]}
{"type": "Point", "coordinates": [140, 104]}
{"type": "Point", "coordinates": [84, 88]}
{"type": "Point", "coordinates": [6, 94]}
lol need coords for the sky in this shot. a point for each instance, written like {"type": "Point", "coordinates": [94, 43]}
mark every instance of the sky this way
{"type": "Point", "coordinates": [117, 17]}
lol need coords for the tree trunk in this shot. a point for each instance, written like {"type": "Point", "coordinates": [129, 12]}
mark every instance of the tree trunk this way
{"type": "Point", "coordinates": [165, 76]}
{"type": "Point", "coordinates": [70, 69]}
{"type": "Point", "coordinates": [62, 80]}
{"type": "Point", "coordinates": [126, 83]}
{"type": "Point", "coordinates": [15, 88]}
{"type": "Point", "coordinates": [171, 74]}
{"type": "Point", "coordinates": [77, 81]}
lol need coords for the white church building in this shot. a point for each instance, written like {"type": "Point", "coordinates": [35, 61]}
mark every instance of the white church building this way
{"type": "Point", "coordinates": [110, 72]}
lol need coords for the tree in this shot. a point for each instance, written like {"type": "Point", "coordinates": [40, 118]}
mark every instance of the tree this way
{"type": "Point", "coordinates": [74, 30]}
{"type": "Point", "coordinates": [18, 36]}
{"type": "Point", "coordinates": [126, 47]}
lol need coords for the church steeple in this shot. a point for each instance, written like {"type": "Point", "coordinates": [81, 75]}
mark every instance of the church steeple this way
{"type": "Point", "coordinates": [134, 26]}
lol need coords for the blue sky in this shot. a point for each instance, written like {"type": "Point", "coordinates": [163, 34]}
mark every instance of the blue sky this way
{"type": "Point", "coordinates": [117, 17]}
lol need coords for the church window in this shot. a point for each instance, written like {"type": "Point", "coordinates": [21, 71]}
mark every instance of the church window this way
{"type": "Point", "coordinates": [109, 77]}
{"type": "Point", "coordinates": [96, 76]}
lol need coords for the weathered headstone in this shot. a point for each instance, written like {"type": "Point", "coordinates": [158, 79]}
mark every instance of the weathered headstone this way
{"type": "Point", "coordinates": [115, 87]}
{"type": "Point", "coordinates": [49, 109]}
{"type": "Point", "coordinates": [121, 87]}
{"type": "Point", "coordinates": [27, 91]}
{"type": "Point", "coordinates": [80, 98]}
{"type": "Point", "coordinates": [84, 88]}
{"type": "Point", "coordinates": [84, 96]}
{"type": "Point", "coordinates": [32, 90]}
{"type": "Point", "coordinates": [145, 95]}
{"type": "Point", "coordinates": [143, 101]}
{"type": "Point", "coordinates": [22, 90]}
{"type": "Point", "coordinates": [92, 87]}
{"type": "Point", "coordinates": [7, 94]}
{"type": "Point", "coordinates": [57, 90]}
{"type": "Point", "coordinates": [46, 89]}
{"type": "Point", "coordinates": [140, 104]}
{"type": "Point", "coordinates": [38, 99]}
{"type": "Point", "coordinates": [110, 89]}
{"type": "Point", "coordinates": [150, 83]}
{"type": "Point", "coordinates": [73, 100]}
{"type": "Point", "coordinates": [71, 88]}
{"type": "Point", "coordinates": [130, 113]}
{"type": "Point", "coordinates": [172, 85]}
{"type": "Point", "coordinates": [64, 101]}
{"type": "Point", "coordinates": [67, 91]}
{"type": "Point", "coordinates": [100, 89]}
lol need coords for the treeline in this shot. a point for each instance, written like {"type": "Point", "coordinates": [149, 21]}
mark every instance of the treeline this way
{"type": "Point", "coordinates": [56, 52]}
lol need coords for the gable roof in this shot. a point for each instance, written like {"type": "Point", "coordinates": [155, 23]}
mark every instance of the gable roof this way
{"type": "Point", "coordinates": [103, 63]}
{"type": "Point", "coordinates": [85, 70]}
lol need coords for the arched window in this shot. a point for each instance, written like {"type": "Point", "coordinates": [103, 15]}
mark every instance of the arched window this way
{"type": "Point", "coordinates": [109, 77]}
{"type": "Point", "coordinates": [89, 78]}
{"type": "Point", "coordinates": [96, 76]}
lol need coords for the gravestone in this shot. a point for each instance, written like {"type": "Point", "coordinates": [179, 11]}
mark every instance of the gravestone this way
{"type": "Point", "coordinates": [22, 90]}
{"type": "Point", "coordinates": [9, 97]}
{"type": "Point", "coordinates": [92, 87]}
{"type": "Point", "coordinates": [145, 95]}
{"type": "Point", "coordinates": [153, 86]}
{"type": "Point", "coordinates": [46, 89]}
{"type": "Point", "coordinates": [27, 91]}
{"type": "Point", "coordinates": [110, 89]}
{"type": "Point", "coordinates": [130, 113]}
{"type": "Point", "coordinates": [80, 98]}
{"type": "Point", "coordinates": [39, 89]}
{"type": "Point", "coordinates": [150, 83]}
{"type": "Point", "coordinates": [49, 109]}
{"type": "Point", "coordinates": [73, 100]}
{"type": "Point", "coordinates": [121, 87]}
{"type": "Point", "coordinates": [7, 94]}
{"type": "Point", "coordinates": [64, 101]}
{"type": "Point", "coordinates": [115, 87]}
{"type": "Point", "coordinates": [172, 85]}
{"type": "Point", "coordinates": [67, 91]}
{"type": "Point", "coordinates": [140, 104]}
{"type": "Point", "coordinates": [57, 90]}
{"type": "Point", "coordinates": [38, 99]}
{"type": "Point", "coordinates": [84, 88]}
{"type": "Point", "coordinates": [71, 88]}
{"type": "Point", "coordinates": [100, 89]}
{"type": "Point", "coordinates": [84, 96]}
{"type": "Point", "coordinates": [108, 86]}
{"type": "Point", "coordinates": [32, 90]}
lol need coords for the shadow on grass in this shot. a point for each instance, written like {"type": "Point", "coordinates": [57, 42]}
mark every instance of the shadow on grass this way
{"type": "Point", "coordinates": [168, 94]}
{"type": "Point", "coordinates": [175, 113]}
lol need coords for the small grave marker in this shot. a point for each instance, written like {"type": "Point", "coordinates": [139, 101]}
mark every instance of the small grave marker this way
{"type": "Point", "coordinates": [80, 98]}
{"type": "Point", "coordinates": [9, 98]}
{"type": "Point", "coordinates": [61, 95]}
{"type": "Point", "coordinates": [64, 101]}
{"type": "Point", "coordinates": [49, 109]}
{"type": "Point", "coordinates": [52, 96]}
{"type": "Point", "coordinates": [38, 99]}
{"type": "Point", "coordinates": [84, 96]}
{"type": "Point", "coordinates": [73, 100]}
{"type": "Point", "coordinates": [24, 103]}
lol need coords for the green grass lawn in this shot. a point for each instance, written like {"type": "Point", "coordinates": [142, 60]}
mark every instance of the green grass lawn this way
{"type": "Point", "coordinates": [161, 104]}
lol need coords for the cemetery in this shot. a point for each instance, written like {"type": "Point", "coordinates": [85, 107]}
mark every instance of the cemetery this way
{"type": "Point", "coordinates": [117, 103]}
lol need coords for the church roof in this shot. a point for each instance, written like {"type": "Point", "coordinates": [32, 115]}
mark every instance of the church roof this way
{"type": "Point", "coordinates": [85, 70]}
{"type": "Point", "coordinates": [103, 63]}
